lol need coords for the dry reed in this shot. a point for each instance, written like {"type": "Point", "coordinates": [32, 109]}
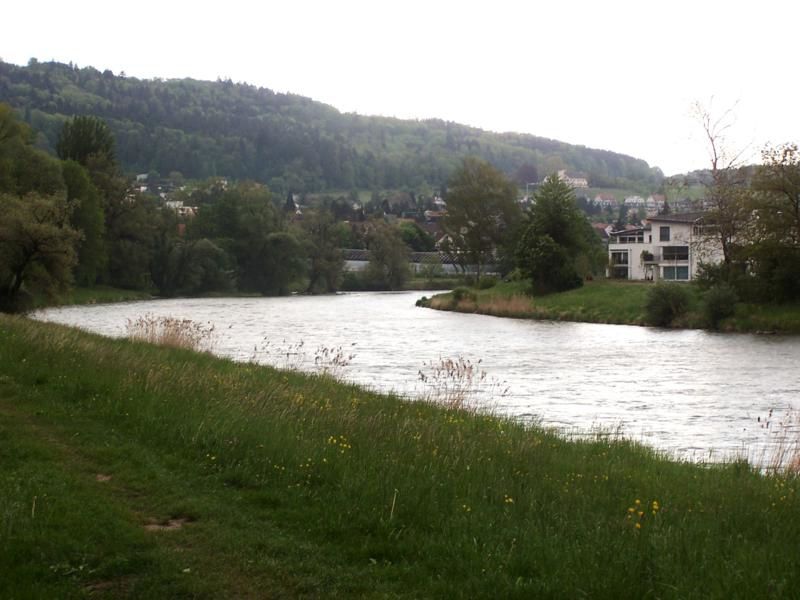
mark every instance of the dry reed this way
{"type": "Point", "coordinates": [172, 332]}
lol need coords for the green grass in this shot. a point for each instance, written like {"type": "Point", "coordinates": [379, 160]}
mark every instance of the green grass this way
{"type": "Point", "coordinates": [299, 486]}
{"type": "Point", "coordinates": [613, 301]}
{"type": "Point", "coordinates": [99, 294]}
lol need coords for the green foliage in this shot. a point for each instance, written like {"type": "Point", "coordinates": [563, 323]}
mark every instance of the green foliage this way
{"type": "Point", "coordinates": [195, 267]}
{"type": "Point", "coordinates": [665, 302]}
{"type": "Point", "coordinates": [547, 264]}
{"type": "Point", "coordinates": [719, 303]}
{"type": "Point", "coordinates": [481, 212]}
{"type": "Point", "coordinates": [388, 257]}
{"type": "Point", "coordinates": [204, 129]}
{"type": "Point", "coordinates": [88, 218]}
{"type": "Point", "coordinates": [37, 248]}
{"type": "Point", "coordinates": [557, 241]}
{"type": "Point", "coordinates": [417, 238]}
{"type": "Point", "coordinates": [487, 282]}
{"type": "Point", "coordinates": [462, 293]}
{"type": "Point", "coordinates": [83, 138]}
{"type": "Point", "coordinates": [132, 227]}
{"type": "Point", "coordinates": [322, 241]}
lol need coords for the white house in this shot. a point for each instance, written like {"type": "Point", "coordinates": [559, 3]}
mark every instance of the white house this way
{"type": "Point", "coordinates": [574, 181]}
{"type": "Point", "coordinates": [668, 247]}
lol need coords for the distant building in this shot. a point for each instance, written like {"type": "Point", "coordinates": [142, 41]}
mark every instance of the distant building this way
{"type": "Point", "coordinates": [576, 182]}
{"type": "Point", "coordinates": [605, 200]}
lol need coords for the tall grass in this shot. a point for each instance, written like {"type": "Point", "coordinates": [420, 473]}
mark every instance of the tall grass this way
{"type": "Point", "coordinates": [171, 332]}
{"type": "Point", "coordinates": [454, 384]}
{"type": "Point", "coordinates": [317, 488]}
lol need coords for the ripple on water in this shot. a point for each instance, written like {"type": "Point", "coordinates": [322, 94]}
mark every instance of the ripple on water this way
{"type": "Point", "coordinates": [691, 393]}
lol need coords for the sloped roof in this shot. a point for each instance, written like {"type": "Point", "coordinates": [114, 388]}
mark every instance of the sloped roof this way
{"type": "Point", "coordinates": [689, 217]}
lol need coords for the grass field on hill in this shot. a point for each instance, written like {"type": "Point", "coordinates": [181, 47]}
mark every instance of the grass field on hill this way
{"type": "Point", "coordinates": [136, 471]}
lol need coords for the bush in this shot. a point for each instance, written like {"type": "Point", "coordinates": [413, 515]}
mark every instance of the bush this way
{"type": "Point", "coordinates": [486, 282]}
{"type": "Point", "coordinates": [665, 302]}
{"type": "Point", "coordinates": [462, 293]}
{"type": "Point", "coordinates": [719, 303]}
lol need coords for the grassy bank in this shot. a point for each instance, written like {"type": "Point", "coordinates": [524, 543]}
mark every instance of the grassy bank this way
{"type": "Point", "coordinates": [610, 301]}
{"type": "Point", "coordinates": [138, 471]}
{"type": "Point", "coordinates": [99, 294]}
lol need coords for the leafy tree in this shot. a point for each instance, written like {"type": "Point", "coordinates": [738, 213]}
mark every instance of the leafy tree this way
{"type": "Point", "coordinates": [87, 217]}
{"type": "Point", "coordinates": [83, 137]}
{"type": "Point", "coordinates": [481, 209]}
{"type": "Point", "coordinates": [131, 236]}
{"type": "Point", "coordinates": [388, 257]}
{"type": "Point", "coordinates": [322, 237]}
{"type": "Point", "coordinates": [546, 263]}
{"type": "Point", "coordinates": [24, 169]}
{"type": "Point", "coordinates": [416, 238]}
{"type": "Point", "coordinates": [778, 202]}
{"type": "Point", "coordinates": [37, 248]}
{"type": "Point", "coordinates": [774, 250]}
{"type": "Point", "coordinates": [557, 240]}
{"type": "Point", "coordinates": [277, 260]}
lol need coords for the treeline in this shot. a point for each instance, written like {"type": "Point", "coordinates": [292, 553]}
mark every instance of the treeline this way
{"type": "Point", "coordinates": [203, 129]}
{"type": "Point", "coordinates": [77, 219]}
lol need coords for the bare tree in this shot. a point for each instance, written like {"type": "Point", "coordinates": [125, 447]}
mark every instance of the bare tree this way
{"type": "Point", "coordinates": [726, 191]}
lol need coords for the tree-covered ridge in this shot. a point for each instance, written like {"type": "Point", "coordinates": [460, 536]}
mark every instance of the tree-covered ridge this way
{"type": "Point", "coordinates": [292, 143]}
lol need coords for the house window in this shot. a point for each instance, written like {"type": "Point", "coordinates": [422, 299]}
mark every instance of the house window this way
{"type": "Point", "coordinates": [676, 273]}
{"type": "Point", "coordinates": [675, 252]}
{"type": "Point", "coordinates": [619, 264]}
{"type": "Point", "coordinates": [664, 233]}
{"type": "Point", "coordinates": [619, 257]}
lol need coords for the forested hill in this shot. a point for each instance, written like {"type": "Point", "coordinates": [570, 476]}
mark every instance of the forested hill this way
{"type": "Point", "coordinates": [204, 129]}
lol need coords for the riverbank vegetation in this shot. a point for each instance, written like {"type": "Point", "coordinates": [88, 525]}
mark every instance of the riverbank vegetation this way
{"type": "Point", "coordinates": [617, 302]}
{"type": "Point", "coordinates": [131, 470]}
{"type": "Point", "coordinates": [77, 221]}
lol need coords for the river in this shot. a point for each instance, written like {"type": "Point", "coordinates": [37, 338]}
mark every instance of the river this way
{"type": "Point", "coordinates": [696, 395]}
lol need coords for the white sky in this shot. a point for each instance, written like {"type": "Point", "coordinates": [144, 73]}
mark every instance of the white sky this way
{"type": "Point", "coordinates": [614, 74]}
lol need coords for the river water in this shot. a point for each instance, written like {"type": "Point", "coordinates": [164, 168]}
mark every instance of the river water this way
{"type": "Point", "coordinates": [693, 394]}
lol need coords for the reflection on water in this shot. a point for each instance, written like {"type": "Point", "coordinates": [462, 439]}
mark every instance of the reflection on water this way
{"type": "Point", "coordinates": [695, 394]}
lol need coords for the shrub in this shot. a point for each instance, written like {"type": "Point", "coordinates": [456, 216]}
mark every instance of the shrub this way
{"type": "Point", "coordinates": [719, 303]}
{"type": "Point", "coordinates": [462, 293]}
{"type": "Point", "coordinates": [665, 302]}
{"type": "Point", "coordinates": [486, 282]}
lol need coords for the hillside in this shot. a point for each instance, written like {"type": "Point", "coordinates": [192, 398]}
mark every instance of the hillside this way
{"type": "Point", "coordinates": [202, 129]}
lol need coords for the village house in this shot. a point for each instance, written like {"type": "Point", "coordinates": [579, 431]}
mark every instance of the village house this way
{"type": "Point", "coordinates": [574, 181]}
{"type": "Point", "coordinates": [669, 247]}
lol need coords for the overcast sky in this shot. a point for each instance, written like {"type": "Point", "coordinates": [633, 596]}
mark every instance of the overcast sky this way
{"type": "Point", "coordinates": [613, 74]}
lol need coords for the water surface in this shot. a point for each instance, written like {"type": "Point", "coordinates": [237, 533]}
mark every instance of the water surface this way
{"type": "Point", "coordinates": [694, 394]}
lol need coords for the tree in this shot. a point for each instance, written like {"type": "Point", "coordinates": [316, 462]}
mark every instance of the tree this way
{"type": "Point", "coordinates": [87, 217]}
{"type": "Point", "coordinates": [774, 250]}
{"type": "Point", "coordinates": [481, 210]}
{"type": "Point", "coordinates": [778, 202]}
{"type": "Point", "coordinates": [83, 137]}
{"type": "Point", "coordinates": [388, 257]}
{"type": "Point", "coordinates": [322, 237]}
{"type": "Point", "coordinates": [726, 194]}
{"type": "Point", "coordinates": [37, 248]}
{"type": "Point", "coordinates": [417, 238]}
{"type": "Point", "coordinates": [557, 240]}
